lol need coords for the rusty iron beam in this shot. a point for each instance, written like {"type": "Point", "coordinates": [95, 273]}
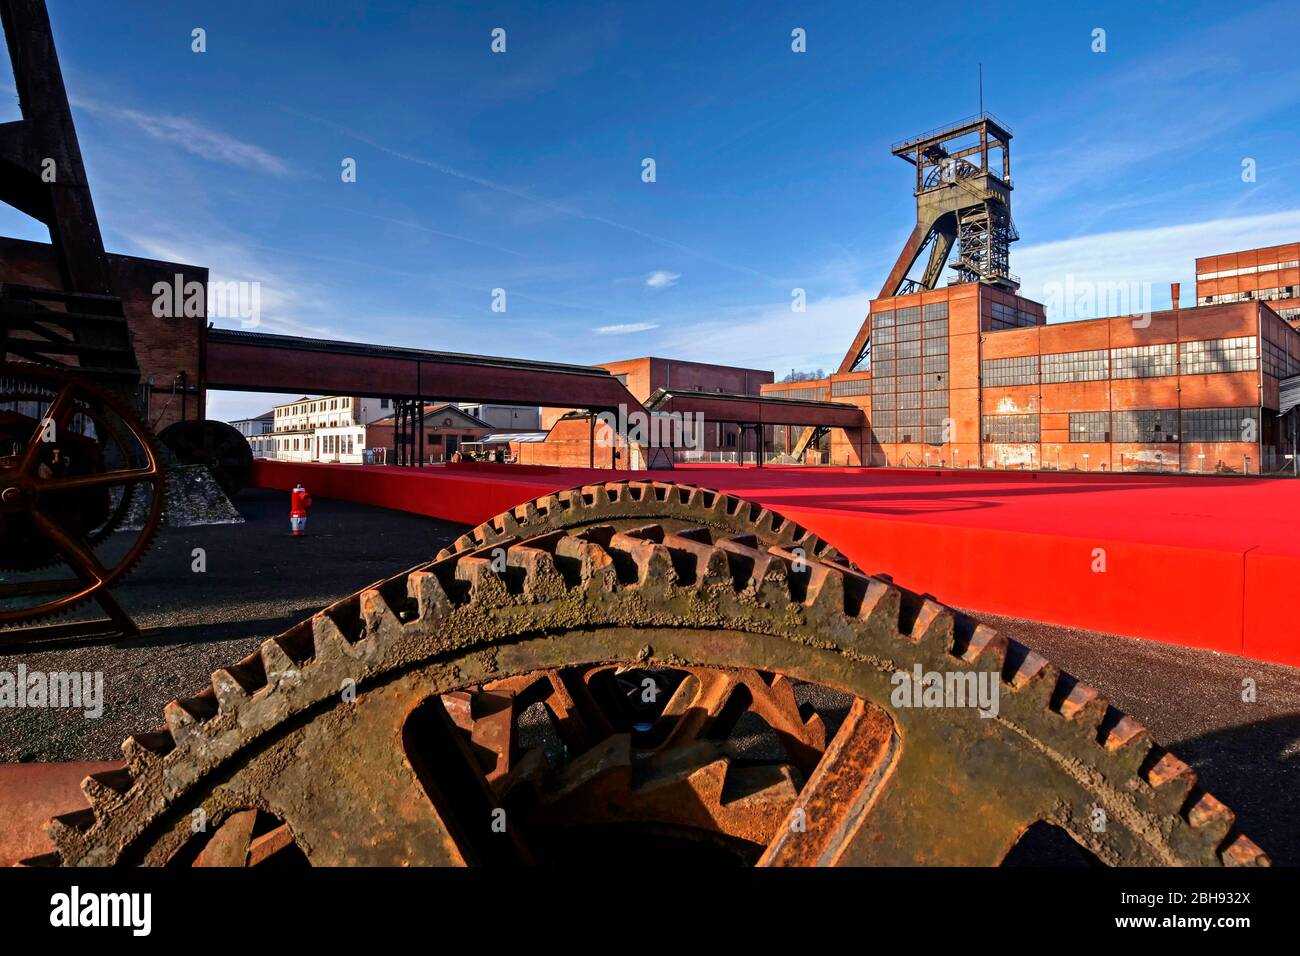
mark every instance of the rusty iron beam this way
{"type": "Point", "coordinates": [254, 361]}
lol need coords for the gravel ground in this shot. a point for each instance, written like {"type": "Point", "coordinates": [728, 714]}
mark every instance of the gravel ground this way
{"type": "Point", "coordinates": [260, 580]}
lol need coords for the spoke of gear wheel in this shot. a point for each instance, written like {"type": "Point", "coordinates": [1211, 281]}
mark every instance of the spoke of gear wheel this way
{"type": "Point", "coordinates": [338, 728]}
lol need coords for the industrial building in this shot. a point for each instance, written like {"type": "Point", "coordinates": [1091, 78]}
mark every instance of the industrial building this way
{"type": "Point", "coordinates": [971, 375]}
{"type": "Point", "coordinates": [1269, 275]}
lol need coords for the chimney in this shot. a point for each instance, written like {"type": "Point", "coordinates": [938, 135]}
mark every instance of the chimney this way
{"type": "Point", "coordinates": [1173, 294]}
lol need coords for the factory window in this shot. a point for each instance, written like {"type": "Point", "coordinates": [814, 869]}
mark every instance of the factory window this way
{"type": "Point", "coordinates": [1278, 363]}
{"type": "Point", "coordinates": [935, 416]}
{"type": "Point", "coordinates": [1010, 428]}
{"type": "Point", "coordinates": [851, 386]}
{"type": "Point", "coordinates": [1090, 426]}
{"type": "Point", "coordinates": [1008, 317]}
{"type": "Point", "coordinates": [1144, 361]}
{"type": "Point", "coordinates": [1220, 424]}
{"type": "Point", "coordinates": [883, 352]}
{"type": "Point", "coordinates": [908, 316]}
{"type": "Point", "coordinates": [882, 320]}
{"type": "Point", "coordinates": [935, 363]}
{"type": "Point", "coordinates": [1150, 425]}
{"type": "Point", "coordinates": [881, 399]}
{"type": "Point", "coordinates": [1089, 366]}
{"type": "Point", "coordinates": [908, 333]}
{"type": "Point", "coordinates": [937, 381]}
{"type": "Point", "coordinates": [1219, 355]}
{"type": "Point", "coordinates": [935, 330]}
{"type": "Point", "coordinates": [1249, 270]}
{"type": "Point", "coordinates": [1253, 295]}
{"type": "Point", "coordinates": [883, 419]}
{"type": "Point", "coordinates": [886, 434]}
{"type": "Point", "coordinates": [934, 434]}
{"type": "Point", "coordinates": [909, 400]}
{"type": "Point", "coordinates": [807, 393]}
{"type": "Point", "coordinates": [909, 417]}
{"type": "Point", "coordinates": [934, 311]}
{"type": "Point", "coordinates": [1010, 371]}
{"type": "Point", "coordinates": [908, 349]}
{"type": "Point", "coordinates": [882, 369]}
{"type": "Point", "coordinates": [882, 336]}
{"type": "Point", "coordinates": [907, 367]}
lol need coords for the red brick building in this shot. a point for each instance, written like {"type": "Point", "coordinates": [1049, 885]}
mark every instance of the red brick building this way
{"type": "Point", "coordinates": [1271, 275]}
{"type": "Point", "coordinates": [568, 441]}
{"type": "Point", "coordinates": [972, 376]}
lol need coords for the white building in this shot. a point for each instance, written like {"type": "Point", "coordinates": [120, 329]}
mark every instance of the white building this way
{"type": "Point", "coordinates": [331, 428]}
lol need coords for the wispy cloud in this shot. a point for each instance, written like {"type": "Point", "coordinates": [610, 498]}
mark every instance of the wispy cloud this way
{"type": "Point", "coordinates": [626, 328]}
{"type": "Point", "coordinates": [661, 279]}
{"type": "Point", "coordinates": [1157, 255]}
{"type": "Point", "coordinates": [191, 135]}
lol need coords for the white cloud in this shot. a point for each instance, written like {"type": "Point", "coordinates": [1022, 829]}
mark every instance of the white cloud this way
{"type": "Point", "coordinates": [661, 279]}
{"type": "Point", "coordinates": [625, 328]}
{"type": "Point", "coordinates": [192, 136]}
{"type": "Point", "coordinates": [1158, 255]}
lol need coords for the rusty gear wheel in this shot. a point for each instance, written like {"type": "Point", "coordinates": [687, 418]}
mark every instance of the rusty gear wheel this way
{"type": "Point", "coordinates": [72, 459]}
{"type": "Point", "coordinates": [364, 735]}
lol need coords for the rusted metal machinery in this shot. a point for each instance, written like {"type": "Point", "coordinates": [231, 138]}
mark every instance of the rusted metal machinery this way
{"type": "Point", "coordinates": [74, 453]}
{"type": "Point", "coordinates": [632, 666]}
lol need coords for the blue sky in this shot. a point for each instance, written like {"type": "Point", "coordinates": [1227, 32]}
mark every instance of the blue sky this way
{"type": "Point", "coordinates": [522, 170]}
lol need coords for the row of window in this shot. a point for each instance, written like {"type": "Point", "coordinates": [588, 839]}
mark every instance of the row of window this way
{"type": "Point", "coordinates": [1249, 270]}
{"type": "Point", "coordinates": [1253, 295]}
{"type": "Point", "coordinates": [851, 386]}
{"type": "Point", "coordinates": [1148, 425]}
{"type": "Point", "coordinates": [1203, 357]}
{"type": "Point", "coordinates": [934, 399]}
{"type": "Point", "coordinates": [807, 393]}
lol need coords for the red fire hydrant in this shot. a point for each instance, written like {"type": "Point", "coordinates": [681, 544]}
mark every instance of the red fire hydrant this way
{"type": "Point", "coordinates": [299, 502]}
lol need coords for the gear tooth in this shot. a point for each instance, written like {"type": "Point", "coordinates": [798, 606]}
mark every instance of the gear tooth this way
{"type": "Point", "coordinates": [1128, 742]}
{"type": "Point", "coordinates": [229, 692]}
{"type": "Point", "coordinates": [1211, 817]}
{"type": "Point", "coordinates": [1172, 782]}
{"type": "Point", "coordinates": [986, 648]}
{"type": "Point", "coordinates": [1030, 674]}
{"type": "Point", "coordinates": [185, 715]}
{"type": "Point", "coordinates": [69, 827]}
{"type": "Point", "coordinates": [377, 614]}
{"type": "Point", "coordinates": [1080, 704]}
{"type": "Point", "coordinates": [654, 562]}
{"type": "Point", "coordinates": [1242, 851]}
{"type": "Point", "coordinates": [328, 639]}
{"type": "Point", "coordinates": [717, 569]}
{"type": "Point", "coordinates": [276, 662]}
{"type": "Point", "coordinates": [430, 596]}
{"type": "Point", "coordinates": [106, 787]}
{"type": "Point", "coordinates": [144, 750]}
{"type": "Point", "coordinates": [825, 589]}
{"type": "Point", "coordinates": [933, 626]}
{"type": "Point", "coordinates": [542, 578]}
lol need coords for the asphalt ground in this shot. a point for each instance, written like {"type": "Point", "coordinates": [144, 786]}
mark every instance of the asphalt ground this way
{"type": "Point", "coordinates": [260, 580]}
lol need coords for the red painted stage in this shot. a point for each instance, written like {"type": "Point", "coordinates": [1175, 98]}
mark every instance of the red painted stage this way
{"type": "Point", "coordinates": [1204, 562]}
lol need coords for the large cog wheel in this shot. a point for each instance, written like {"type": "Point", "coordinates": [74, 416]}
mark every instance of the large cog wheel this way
{"type": "Point", "coordinates": [341, 739]}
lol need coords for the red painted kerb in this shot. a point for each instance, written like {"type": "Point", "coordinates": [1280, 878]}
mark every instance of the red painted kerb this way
{"type": "Point", "coordinates": [1199, 561]}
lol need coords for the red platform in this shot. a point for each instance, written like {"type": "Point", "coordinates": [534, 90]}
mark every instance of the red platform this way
{"type": "Point", "coordinates": [1200, 561]}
